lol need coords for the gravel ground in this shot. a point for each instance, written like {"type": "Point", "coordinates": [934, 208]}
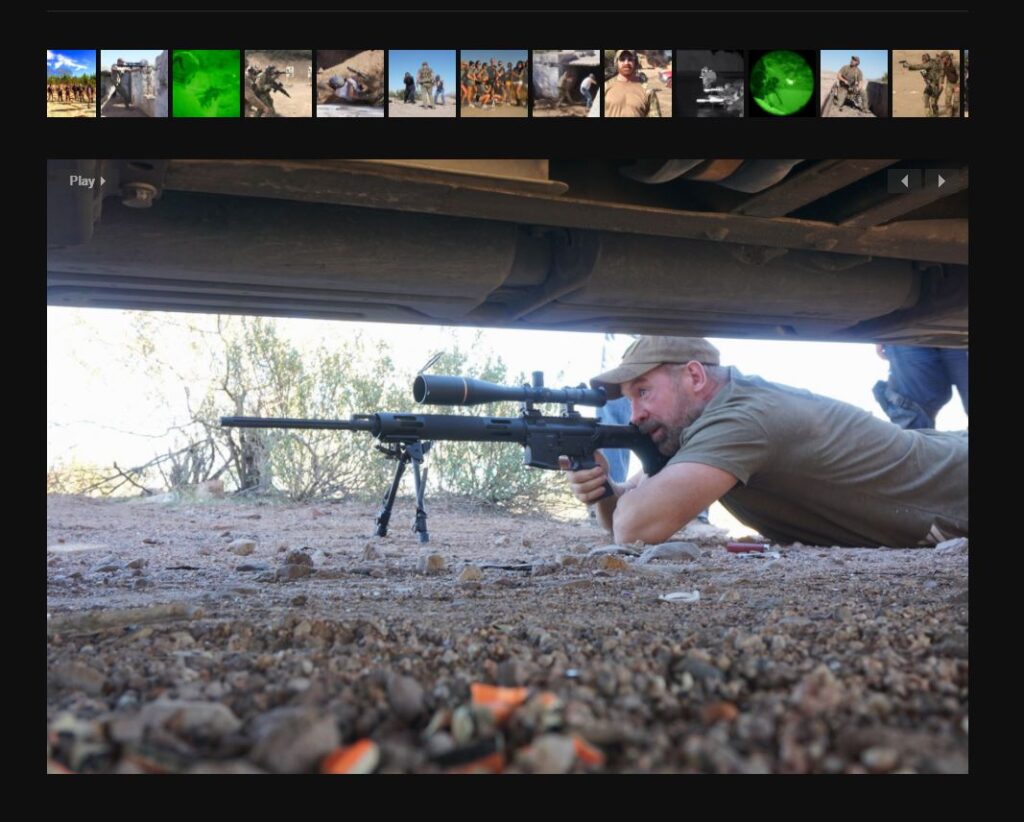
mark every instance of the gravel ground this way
{"type": "Point", "coordinates": [224, 636]}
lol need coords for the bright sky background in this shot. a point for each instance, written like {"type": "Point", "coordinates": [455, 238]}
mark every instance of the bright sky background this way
{"type": "Point", "coordinates": [109, 56]}
{"type": "Point", "coordinates": [79, 61]}
{"type": "Point", "coordinates": [873, 62]}
{"type": "Point", "coordinates": [503, 56]}
{"type": "Point", "coordinates": [93, 401]}
{"type": "Point", "coordinates": [401, 61]}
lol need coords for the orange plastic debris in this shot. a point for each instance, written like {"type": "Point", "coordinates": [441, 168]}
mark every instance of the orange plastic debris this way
{"type": "Point", "coordinates": [359, 757]}
{"type": "Point", "coordinates": [587, 753]}
{"type": "Point", "coordinates": [482, 693]}
{"type": "Point", "coordinates": [717, 711]}
{"type": "Point", "coordinates": [500, 701]}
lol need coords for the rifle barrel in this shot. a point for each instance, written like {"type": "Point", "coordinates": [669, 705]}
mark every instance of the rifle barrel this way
{"type": "Point", "coordinates": [354, 424]}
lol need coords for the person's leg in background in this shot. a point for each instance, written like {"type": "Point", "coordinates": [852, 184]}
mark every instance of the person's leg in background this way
{"type": "Point", "coordinates": [920, 383]}
{"type": "Point", "coordinates": [616, 412]}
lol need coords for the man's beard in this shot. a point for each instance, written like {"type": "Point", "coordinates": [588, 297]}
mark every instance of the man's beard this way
{"type": "Point", "coordinates": [669, 443]}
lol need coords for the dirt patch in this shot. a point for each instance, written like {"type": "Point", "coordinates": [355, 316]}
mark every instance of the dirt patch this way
{"type": "Point", "coordinates": [70, 109]}
{"type": "Point", "coordinates": [546, 109]}
{"type": "Point", "coordinates": [498, 111]}
{"type": "Point", "coordinates": [235, 636]}
{"type": "Point", "coordinates": [397, 108]}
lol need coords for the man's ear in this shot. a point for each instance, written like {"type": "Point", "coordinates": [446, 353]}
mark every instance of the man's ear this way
{"type": "Point", "coordinates": [698, 375]}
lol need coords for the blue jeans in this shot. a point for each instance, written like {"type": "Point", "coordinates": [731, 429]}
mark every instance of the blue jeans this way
{"type": "Point", "coordinates": [616, 412]}
{"type": "Point", "coordinates": [588, 97]}
{"type": "Point", "coordinates": [920, 382]}
{"type": "Point", "coordinates": [439, 93]}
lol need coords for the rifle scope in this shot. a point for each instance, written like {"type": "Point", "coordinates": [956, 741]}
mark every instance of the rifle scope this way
{"type": "Point", "coordinates": [438, 390]}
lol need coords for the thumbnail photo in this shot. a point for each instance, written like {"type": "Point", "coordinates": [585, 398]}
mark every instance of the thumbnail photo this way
{"type": "Point", "coordinates": [567, 83]}
{"type": "Point", "coordinates": [493, 83]}
{"type": "Point", "coordinates": [781, 83]}
{"type": "Point", "coordinates": [854, 83]}
{"type": "Point", "coordinates": [350, 83]}
{"type": "Point", "coordinates": [926, 83]}
{"type": "Point", "coordinates": [133, 83]}
{"type": "Point", "coordinates": [71, 83]}
{"type": "Point", "coordinates": [278, 83]}
{"type": "Point", "coordinates": [638, 83]}
{"type": "Point", "coordinates": [710, 83]}
{"type": "Point", "coordinates": [206, 83]}
{"type": "Point", "coordinates": [963, 85]}
{"type": "Point", "coordinates": [421, 83]}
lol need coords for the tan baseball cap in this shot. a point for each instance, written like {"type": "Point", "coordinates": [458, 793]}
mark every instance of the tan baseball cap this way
{"type": "Point", "coordinates": [618, 54]}
{"type": "Point", "coordinates": [648, 353]}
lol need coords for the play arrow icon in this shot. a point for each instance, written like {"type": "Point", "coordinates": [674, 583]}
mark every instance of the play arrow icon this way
{"type": "Point", "coordinates": [942, 181]}
{"type": "Point", "coordinates": [906, 181]}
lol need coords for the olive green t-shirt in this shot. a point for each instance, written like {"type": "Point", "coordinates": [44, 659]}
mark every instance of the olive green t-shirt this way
{"type": "Point", "coordinates": [822, 472]}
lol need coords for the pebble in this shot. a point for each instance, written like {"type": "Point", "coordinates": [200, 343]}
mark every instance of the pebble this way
{"type": "Point", "coordinates": [471, 574]}
{"type": "Point", "coordinates": [289, 572]}
{"type": "Point", "coordinates": [406, 697]}
{"type": "Point", "coordinates": [293, 740]}
{"type": "Point", "coordinates": [430, 564]}
{"type": "Point", "coordinates": [242, 547]}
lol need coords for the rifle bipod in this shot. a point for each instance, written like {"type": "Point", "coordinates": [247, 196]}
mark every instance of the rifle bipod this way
{"type": "Point", "coordinates": [405, 452]}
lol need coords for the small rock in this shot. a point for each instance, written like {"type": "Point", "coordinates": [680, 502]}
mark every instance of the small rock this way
{"type": "Point", "coordinates": [670, 550]}
{"type": "Point", "coordinates": [471, 574]}
{"type": "Point", "coordinates": [232, 766]}
{"type": "Point", "coordinates": [818, 692]}
{"type": "Point", "coordinates": [138, 563]}
{"type": "Point", "coordinates": [953, 546]}
{"type": "Point", "coordinates": [298, 558]}
{"type": "Point", "coordinates": [190, 718]}
{"type": "Point", "coordinates": [610, 562]}
{"type": "Point", "coordinates": [879, 759]}
{"type": "Point", "coordinates": [550, 753]}
{"type": "Point", "coordinates": [287, 573]}
{"type": "Point", "coordinates": [700, 670]}
{"type": "Point", "coordinates": [613, 549]}
{"type": "Point", "coordinates": [371, 552]}
{"type": "Point", "coordinates": [293, 740]}
{"type": "Point", "coordinates": [107, 565]}
{"type": "Point", "coordinates": [242, 547]}
{"type": "Point", "coordinates": [539, 569]}
{"type": "Point", "coordinates": [298, 602]}
{"type": "Point", "coordinates": [406, 697]}
{"type": "Point", "coordinates": [568, 560]}
{"type": "Point", "coordinates": [439, 744]}
{"type": "Point", "coordinates": [510, 673]}
{"type": "Point", "coordinates": [430, 564]}
{"type": "Point", "coordinates": [80, 677]}
{"type": "Point", "coordinates": [369, 570]}
{"type": "Point", "coordinates": [252, 566]}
